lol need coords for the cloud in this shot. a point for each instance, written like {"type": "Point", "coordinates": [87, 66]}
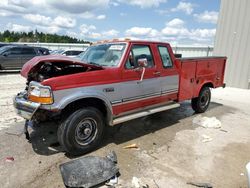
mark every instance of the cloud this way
{"type": "Point", "coordinates": [143, 3]}
{"type": "Point", "coordinates": [176, 22]}
{"type": "Point", "coordinates": [59, 21]}
{"type": "Point", "coordinates": [72, 34]}
{"type": "Point", "coordinates": [5, 13]}
{"type": "Point", "coordinates": [18, 28]}
{"type": "Point", "coordinates": [82, 8]}
{"type": "Point", "coordinates": [78, 6]}
{"type": "Point", "coordinates": [174, 32]}
{"type": "Point", "coordinates": [89, 31]}
{"type": "Point", "coordinates": [38, 19]}
{"type": "Point", "coordinates": [48, 29]}
{"type": "Point", "coordinates": [115, 4]}
{"type": "Point", "coordinates": [101, 17]}
{"type": "Point", "coordinates": [202, 33]}
{"type": "Point", "coordinates": [110, 33]}
{"type": "Point", "coordinates": [141, 31]}
{"type": "Point", "coordinates": [187, 7]}
{"type": "Point", "coordinates": [207, 17]}
{"type": "Point", "coordinates": [64, 22]}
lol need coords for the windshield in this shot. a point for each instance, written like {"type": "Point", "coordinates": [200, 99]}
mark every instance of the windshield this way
{"type": "Point", "coordinates": [104, 54]}
{"type": "Point", "coordinates": [4, 48]}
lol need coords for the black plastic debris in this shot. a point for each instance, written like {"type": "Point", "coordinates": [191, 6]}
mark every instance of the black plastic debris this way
{"type": "Point", "coordinates": [89, 171]}
{"type": "Point", "coordinates": [203, 185]}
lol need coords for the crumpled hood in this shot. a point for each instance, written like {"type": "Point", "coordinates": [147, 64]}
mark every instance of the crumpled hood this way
{"type": "Point", "coordinates": [31, 64]}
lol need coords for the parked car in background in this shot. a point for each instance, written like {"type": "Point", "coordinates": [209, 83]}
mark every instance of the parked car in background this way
{"type": "Point", "coordinates": [43, 51]}
{"type": "Point", "coordinates": [71, 53]}
{"type": "Point", "coordinates": [59, 51]}
{"type": "Point", "coordinates": [4, 44]}
{"type": "Point", "coordinates": [15, 56]}
{"type": "Point", "coordinates": [79, 56]}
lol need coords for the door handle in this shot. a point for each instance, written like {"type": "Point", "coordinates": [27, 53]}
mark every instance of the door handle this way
{"type": "Point", "coordinates": [157, 73]}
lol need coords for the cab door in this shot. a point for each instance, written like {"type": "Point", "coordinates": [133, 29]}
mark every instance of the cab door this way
{"type": "Point", "coordinates": [27, 54]}
{"type": "Point", "coordinates": [169, 73]}
{"type": "Point", "coordinates": [137, 93]}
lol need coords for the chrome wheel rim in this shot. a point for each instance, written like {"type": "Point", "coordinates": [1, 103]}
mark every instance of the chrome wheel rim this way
{"type": "Point", "coordinates": [86, 131]}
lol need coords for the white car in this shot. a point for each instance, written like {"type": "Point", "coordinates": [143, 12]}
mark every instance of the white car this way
{"type": "Point", "coordinates": [71, 53]}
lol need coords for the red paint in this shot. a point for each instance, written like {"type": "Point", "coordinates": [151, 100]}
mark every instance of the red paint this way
{"type": "Point", "coordinates": [201, 71]}
{"type": "Point", "coordinates": [51, 58]}
{"type": "Point", "coordinates": [124, 107]}
{"type": "Point", "coordinates": [193, 74]}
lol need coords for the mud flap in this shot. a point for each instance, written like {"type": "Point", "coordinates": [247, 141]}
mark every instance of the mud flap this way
{"type": "Point", "coordinates": [89, 171]}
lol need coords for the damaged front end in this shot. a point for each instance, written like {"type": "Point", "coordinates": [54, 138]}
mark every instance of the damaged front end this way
{"type": "Point", "coordinates": [25, 108]}
{"type": "Point", "coordinates": [34, 102]}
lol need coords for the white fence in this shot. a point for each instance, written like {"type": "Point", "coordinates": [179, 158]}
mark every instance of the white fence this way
{"type": "Point", "coordinates": [189, 51]}
{"type": "Point", "coordinates": [186, 51]}
{"type": "Point", "coordinates": [57, 46]}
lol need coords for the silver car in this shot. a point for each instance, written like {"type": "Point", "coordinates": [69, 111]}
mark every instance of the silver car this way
{"type": "Point", "coordinates": [15, 56]}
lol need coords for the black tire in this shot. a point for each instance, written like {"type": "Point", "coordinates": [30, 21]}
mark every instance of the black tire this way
{"type": "Point", "coordinates": [201, 103]}
{"type": "Point", "coordinates": [82, 131]}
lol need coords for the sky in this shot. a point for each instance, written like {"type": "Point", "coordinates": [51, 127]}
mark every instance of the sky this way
{"type": "Point", "coordinates": [180, 22]}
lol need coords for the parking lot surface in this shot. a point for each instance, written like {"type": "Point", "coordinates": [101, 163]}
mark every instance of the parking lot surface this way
{"type": "Point", "coordinates": [171, 149]}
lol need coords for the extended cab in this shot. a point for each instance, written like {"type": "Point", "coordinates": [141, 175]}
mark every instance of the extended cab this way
{"type": "Point", "coordinates": [114, 82]}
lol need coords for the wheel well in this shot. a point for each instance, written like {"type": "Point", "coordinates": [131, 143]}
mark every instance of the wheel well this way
{"type": "Point", "coordinates": [210, 84]}
{"type": "Point", "coordinates": [86, 102]}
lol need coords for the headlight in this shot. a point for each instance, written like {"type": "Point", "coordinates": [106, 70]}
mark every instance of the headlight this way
{"type": "Point", "coordinates": [40, 94]}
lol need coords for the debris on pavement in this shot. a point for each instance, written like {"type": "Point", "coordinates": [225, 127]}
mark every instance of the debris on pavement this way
{"type": "Point", "coordinates": [89, 171]}
{"type": "Point", "coordinates": [207, 122]}
{"type": "Point", "coordinates": [9, 159]}
{"type": "Point", "coordinates": [135, 182]}
{"type": "Point", "coordinates": [131, 146]}
{"type": "Point", "coordinates": [248, 173]}
{"type": "Point", "coordinates": [206, 138]}
{"type": "Point", "coordinates": [222, 130]}
{"type": "Point", "coordinates": [113, 181]}
{"type": "Point", "coordinates": [203, 185]}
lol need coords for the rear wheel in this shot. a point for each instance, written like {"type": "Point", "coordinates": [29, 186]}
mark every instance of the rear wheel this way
{"type": "Point", "coordinates": [201, 103]}
{"type": "Point", "coordinates": [82, 131]}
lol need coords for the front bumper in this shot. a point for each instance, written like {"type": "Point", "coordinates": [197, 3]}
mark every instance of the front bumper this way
{"type": "Point", "coordinates": [25, 108]}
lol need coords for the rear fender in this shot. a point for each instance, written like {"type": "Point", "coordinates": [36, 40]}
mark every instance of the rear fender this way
{"type": "Point", "coordinates": [206, 84]}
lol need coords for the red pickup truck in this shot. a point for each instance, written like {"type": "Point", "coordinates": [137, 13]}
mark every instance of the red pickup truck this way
{"type": "Point", "coordinates": [115, 81]}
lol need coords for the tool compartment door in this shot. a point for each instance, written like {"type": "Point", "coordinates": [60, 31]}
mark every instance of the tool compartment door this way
{"type": "Point", "coordinates": [187, 80]}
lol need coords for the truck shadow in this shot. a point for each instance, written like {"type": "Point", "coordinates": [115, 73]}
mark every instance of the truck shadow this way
{"type": "Point", "coordinates": [44, 138]}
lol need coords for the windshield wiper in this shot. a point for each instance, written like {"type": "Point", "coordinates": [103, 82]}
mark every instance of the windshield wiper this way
{"type": "Point", "coordinates": [96, 64]}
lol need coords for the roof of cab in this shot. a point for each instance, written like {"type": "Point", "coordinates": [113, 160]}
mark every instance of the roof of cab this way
{"type": "Point", "coordinates": [128, 41]}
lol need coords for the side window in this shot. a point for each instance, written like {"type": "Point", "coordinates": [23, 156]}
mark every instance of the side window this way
{"type": "Point", "coordinates": [75, 52]}
{"type": "Point", "coordinates": [15, 51]}
{"type": "Point", "coordinates": [165, 57]}
{"type": "Point", "coordinates": [67, 53]}
{"type": "Point", "coordinates": [28, 51]}
{"type": "Point", "coordinates": [139, 52]}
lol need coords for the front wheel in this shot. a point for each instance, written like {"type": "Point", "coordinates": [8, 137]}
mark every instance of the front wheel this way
{"type": "Point", "coordinates": [82, 131]}
{"type": "Point", "coordinates": [201, 103]}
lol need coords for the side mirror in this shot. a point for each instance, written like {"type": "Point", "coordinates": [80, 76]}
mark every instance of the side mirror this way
{"type": "Point", "coordinates": [142, 62]}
